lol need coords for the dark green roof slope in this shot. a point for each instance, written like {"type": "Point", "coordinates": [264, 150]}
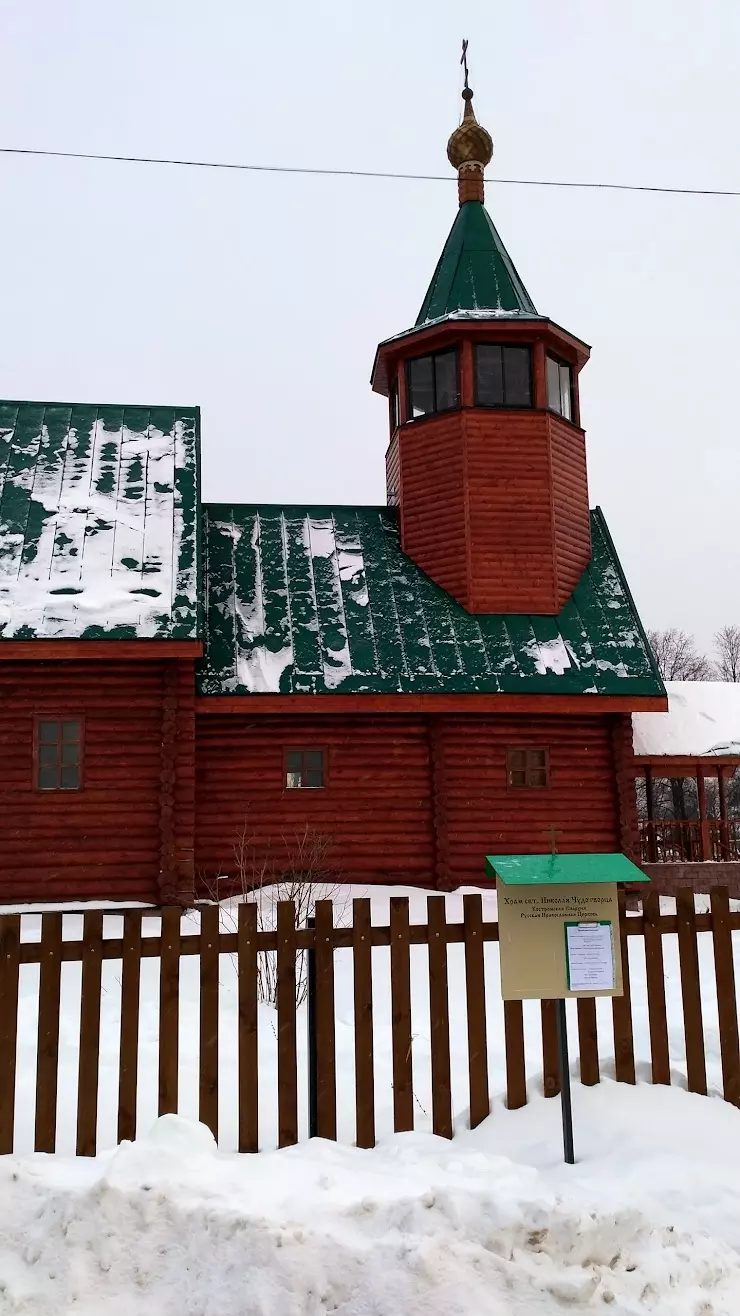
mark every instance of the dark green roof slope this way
{"type": "Point", "coordinates": [98, 521]}
{"type": "Point", "coordinates": [320, 600]}
{"type": "Point", "coordinates": [475, 272]}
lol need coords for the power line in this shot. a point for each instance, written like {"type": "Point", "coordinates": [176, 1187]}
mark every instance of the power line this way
{"type": "Point", "coordinates": [361, 173]}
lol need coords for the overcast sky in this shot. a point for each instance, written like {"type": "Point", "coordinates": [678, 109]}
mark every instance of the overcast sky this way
{"type": "Point", "coordinates": [262, 297]}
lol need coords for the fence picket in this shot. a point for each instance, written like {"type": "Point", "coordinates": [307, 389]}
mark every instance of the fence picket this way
{"type": "Point", "coordinates": [724, 970]}
{"type": "Point", "coordinates": [516, 1074]}
{"type": "Point", "coordinates": [286, 1025]}
{"type": "Point", "coordinates": [128, 1063]}
{"type": "Point", "coordinates": [475, 993]}
{"type": "Point", "coordinates": [550, 1058]}
{"type": "Point", "coordinates": [439, 1010]}
{"type": "Point", "coordinates": [588, 1041]}
{"type": "Point", "coordinates": [208, 1058]}
{"type": "Point", "coordinates": [248, 1036]}
{"type": "Point", "coordinates": [363, 998]}
{"type": "Point", "coordinates": [326, 1105]}
{"type": "Point", "coordinates": [10, 934]}
{"type": "Point", "coordinates": [624, 1048]}
{"type": "Point", "coordinates": [688, 957]}
{"type": "Point", "coordinates": [89, 1066]}
{"type": "Point", "coordinates": [655, 981]}
{"type": "Point", "coordinates": [47, 1064]}
{"type": "Point", "coordinates": [169, 1011]}
{"type": "Point", "coordinates": [403, 1076]}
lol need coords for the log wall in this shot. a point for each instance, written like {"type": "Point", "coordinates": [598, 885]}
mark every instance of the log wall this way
{"type": "Point", "coordinates": [128, 833]}
{"type": "Point", "coordinates": [408, 799]}
{"type": "Point", "coordinates": [571, 519]}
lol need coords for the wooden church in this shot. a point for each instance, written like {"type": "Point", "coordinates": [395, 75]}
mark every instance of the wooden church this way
{"type": "Point", "coordinates": [191, 691]}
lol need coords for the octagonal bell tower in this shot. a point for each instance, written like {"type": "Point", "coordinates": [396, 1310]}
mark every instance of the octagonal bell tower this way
{"type": "Point", "coordinates": [487, 459]}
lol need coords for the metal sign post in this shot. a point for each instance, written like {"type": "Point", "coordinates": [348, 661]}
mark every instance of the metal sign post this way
{"type": "Point", "coordinates": [565, 1102]}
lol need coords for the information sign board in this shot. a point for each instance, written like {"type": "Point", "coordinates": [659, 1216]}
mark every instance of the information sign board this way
{"type": "Point", "coordinates": [557, 941]}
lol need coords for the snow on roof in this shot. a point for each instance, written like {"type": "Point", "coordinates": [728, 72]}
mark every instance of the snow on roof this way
{"type": "Point", "coordinates": [98, 522]}
{"type": "Point", "coordinates": [703, 718]}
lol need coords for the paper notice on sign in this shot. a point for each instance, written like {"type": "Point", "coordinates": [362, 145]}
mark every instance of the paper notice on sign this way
{"type": "Point", "coordinates": [589, 953]}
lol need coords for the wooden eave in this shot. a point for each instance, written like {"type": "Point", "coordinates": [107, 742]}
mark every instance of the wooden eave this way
{"type": "Point", "coordinates": [676, 765]}
{"type": "Point", "coordinates": [98, 650]}
{"type": "Point", "coordinates": [256, 705]}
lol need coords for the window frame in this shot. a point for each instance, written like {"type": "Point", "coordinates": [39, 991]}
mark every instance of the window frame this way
{"type": "Point", "coordinates": [454, 350]}
{"type": "Point", "coordinates": [526, 750]}
{"type": "Point", "coordinates": [305, 749]}
{"type": "Point", "coordinates": [504, 406]}
{"type": "Point", "coordinates": [560, 362]}
{"type": "Point", "coordinates": [56, 716]}
{"type": "Point", "coordinates": [394, 404]}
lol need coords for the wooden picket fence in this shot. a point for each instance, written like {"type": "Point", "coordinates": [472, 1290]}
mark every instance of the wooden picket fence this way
{"type": "Point", "coordinates": [247, 943]}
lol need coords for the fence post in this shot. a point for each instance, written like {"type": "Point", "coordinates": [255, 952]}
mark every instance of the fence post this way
{"type": "Point", "coordinates": [313, 1082]}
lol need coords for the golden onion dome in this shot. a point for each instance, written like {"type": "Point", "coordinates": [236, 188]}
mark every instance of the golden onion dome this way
{"type": "Point", "coordinates": [470, 143]}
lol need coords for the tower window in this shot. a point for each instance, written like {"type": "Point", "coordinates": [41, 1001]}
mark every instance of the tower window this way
{"type": "Point", "coordinates": [305, 769]}
{"type": "Point", "coordinates": [503, 375]}
{"type": "Point", "coordinates": [560, 387]}
{"type": "Point", "coordinates": [432, 384]}
{"type": "Point", "coordinates": [58, 754]}
{"type": "Point", "coordinates": [527, 769]}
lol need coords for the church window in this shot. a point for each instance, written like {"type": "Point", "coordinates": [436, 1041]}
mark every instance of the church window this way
{"type": "Point", "coordinates": [527, 768]}
{"type": "Point", "coordinates": [305, 769]}
{"type": "Point", "coordinates": [560, 387]}
{"type": "Point", "coordinates": [432, 384]}
{"type": "Point", "coordinates": [58, 754]}
{"type": "Point", "coordinates": [503, 375]}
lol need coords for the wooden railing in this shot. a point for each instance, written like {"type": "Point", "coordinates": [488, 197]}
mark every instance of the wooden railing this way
{"type": "Point", "coordinates": [160, 987]}
{"type": "Point", "coordinates": [682, 841]}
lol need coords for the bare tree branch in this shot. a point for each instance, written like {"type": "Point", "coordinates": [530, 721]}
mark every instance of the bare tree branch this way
{"type": "Point", "coordinates": [727, 649]}
{"type": "Point", "coordinates": [677, 656]}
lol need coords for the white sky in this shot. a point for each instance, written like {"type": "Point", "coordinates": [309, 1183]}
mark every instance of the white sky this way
{"type": "Point", "coordinates": [262, 297]}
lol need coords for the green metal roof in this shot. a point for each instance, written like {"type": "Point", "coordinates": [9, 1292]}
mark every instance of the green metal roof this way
{"type": "Point", "coordinates": [321, 600]}
{"type": "Point", "coordinates": [98, 521]}
{"type": "Point", "coordinates": [475, 272]}
{"type": "Point", "coordinates": [562, 869]}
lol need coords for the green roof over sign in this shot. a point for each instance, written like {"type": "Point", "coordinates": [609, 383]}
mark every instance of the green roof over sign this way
{"type": "Point", "coordinates": [98, 521]}
{"type": "Point", "coordinates": [562, 869]}
{"type": "Point", "coordinates": [475, 272]}
{"type": "Point", "coordinates": [323, 600]}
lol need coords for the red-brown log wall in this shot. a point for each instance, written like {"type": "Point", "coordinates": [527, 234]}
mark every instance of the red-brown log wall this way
{"type": "Point", "coordinates": [375, 808]}
{"type": "Point", "coordinates": [494, 506]}
{"type": "Point", "coordinates": [433, 509]}
{"type": "Point", "coordinates": [408, 799]}
{"type": "Point", "coordinates": [109, 839]}
{"type": "Point", "coordinates": [572, 521]}
{"type": "Point", "coordinates": [579, 810]}
{"type": "Point", "coordinates": [393, 473]}
{"type": "Point", "coordinates": [512, 559]}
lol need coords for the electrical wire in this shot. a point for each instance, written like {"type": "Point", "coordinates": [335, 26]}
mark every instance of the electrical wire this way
{"type": "Point", "coordinates": [363, 173]}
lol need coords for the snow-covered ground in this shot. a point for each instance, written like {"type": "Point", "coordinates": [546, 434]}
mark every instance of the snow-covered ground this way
{"type": "Point", "coordinates": [648, 1219]}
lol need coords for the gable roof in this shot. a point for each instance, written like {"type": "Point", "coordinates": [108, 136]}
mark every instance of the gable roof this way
{"type": "Point", "coordinates": [475, 272]}
{"type": "Point", "coordinates": [322, 601]}
{"type": "Point", "coordinates": [98, 521]}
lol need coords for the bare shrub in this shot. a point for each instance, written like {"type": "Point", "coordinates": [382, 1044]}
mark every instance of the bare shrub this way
{"type": "Point", "coordinates": [301, 873]}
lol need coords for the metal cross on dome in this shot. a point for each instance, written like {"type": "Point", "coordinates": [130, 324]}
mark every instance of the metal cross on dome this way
{"type": "Point", "coordinates": [464, 60]}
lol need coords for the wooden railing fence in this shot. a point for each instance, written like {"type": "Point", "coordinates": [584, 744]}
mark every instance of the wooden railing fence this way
{"type": "Point", "coordinates": [247, 943]}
